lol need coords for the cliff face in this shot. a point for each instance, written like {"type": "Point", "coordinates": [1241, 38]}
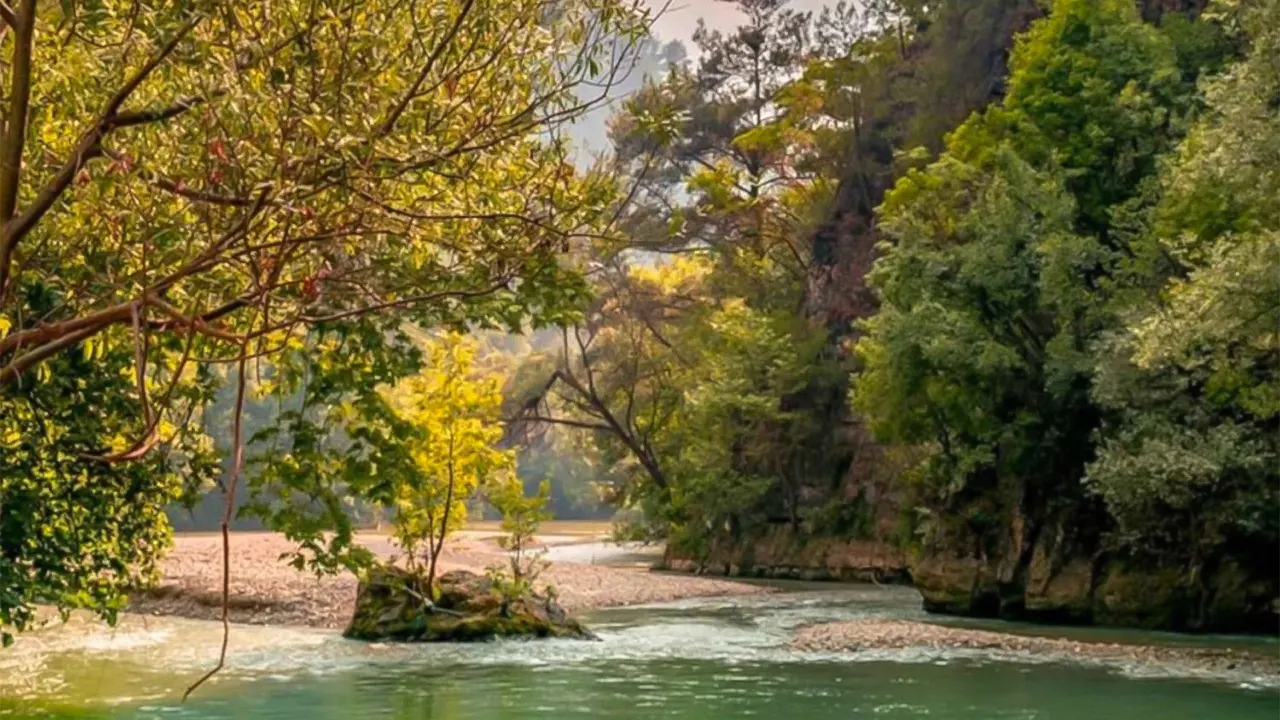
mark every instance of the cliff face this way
{"type": "Point", "coordinates": [784, 554]}
{"type": "Point", "coordinates": [1045, 580]}
{"type": "Point", "coordinates": [953, 67]}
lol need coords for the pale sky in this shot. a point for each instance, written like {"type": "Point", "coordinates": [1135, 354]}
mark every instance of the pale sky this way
{"type": "Point", "coordinates": [677, 23]}
{"type": "Point", "coordinates": [681, 17]}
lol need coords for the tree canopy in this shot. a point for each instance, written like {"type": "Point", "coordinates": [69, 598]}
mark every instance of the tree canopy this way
{"type": "Point", "coordinates": [200, 185]}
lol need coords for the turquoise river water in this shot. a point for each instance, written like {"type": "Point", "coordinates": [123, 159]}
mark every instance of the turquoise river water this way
{"type": "Point", "coordinates": [722, 658]}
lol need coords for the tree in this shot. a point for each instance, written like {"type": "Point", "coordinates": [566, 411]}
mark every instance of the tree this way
{"type": "Point", "coordinates": [456, 416]}
{"type": "Point", "coordinates": [997, 278]}
{"type": "Point", "coordinates": [727, 451]}
{"type": "Point", "coordinates": [727, 151]}
{"type": "Point", "coordinates": [679, 390]}
{"type": "Point", "coordinates": [75, 532]}
{"type": "Point", "coordinates": [327, 143]}
{"type": "Point", "coordinates": [733, 156]}
{"type": "Point", "coordinates": [200, 185]}
{"type": "Point", "coordinates": [522, 516]}
{"type": "Point", "coordinates": [1188, 458]}
{"type": "Point", "coordinates": [615, 374]}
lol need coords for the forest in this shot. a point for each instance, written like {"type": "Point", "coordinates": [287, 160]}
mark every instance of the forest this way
{"type": "Point", "coordinates": [989, 286]}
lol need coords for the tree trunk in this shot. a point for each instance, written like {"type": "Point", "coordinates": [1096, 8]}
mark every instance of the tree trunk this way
{"type": "Point", "coordinates": [438, 546]}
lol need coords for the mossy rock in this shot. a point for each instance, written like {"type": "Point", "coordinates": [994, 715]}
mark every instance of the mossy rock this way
{"type": "Point", "coordinates": [956, 585]}
{"type": "Point", "coordinates": [1240, 602]}
{"type": "Point", "coordinates": [1058, 592]}
{"type": "Point", "coordinates": [1145, 598]}
{"type": "Point", "coordinates": [468, 609]}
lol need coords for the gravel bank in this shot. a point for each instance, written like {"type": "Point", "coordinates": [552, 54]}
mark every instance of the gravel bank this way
{"type": "Point", "coordinates": [868, 635]}
{"type": "Point", "coordinates": [267, 591]}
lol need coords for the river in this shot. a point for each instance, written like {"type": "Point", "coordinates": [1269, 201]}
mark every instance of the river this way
{"type": "Point", "coordinates": [722, 658]}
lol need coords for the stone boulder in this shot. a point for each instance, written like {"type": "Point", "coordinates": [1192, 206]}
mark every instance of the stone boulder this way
{"type": "Point", "coordinates": [1077, 590]}
{"type": "Point", "coordinates": [468, 609]}
{"type": "Point", "coordinates": [783, 554]}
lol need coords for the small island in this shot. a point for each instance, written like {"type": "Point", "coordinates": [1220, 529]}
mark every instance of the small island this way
{"type": "Point", "coordinates": [468, 608]}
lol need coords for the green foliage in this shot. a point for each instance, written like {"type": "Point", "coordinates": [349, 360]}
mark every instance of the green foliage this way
{"type": "Point", "coordinates": [456, 429]}
{"type": "Point", "coordinates": [522, 516]}
{"type": "Point", "coordinates": [680, 390]}
{"type": "Point", "coordinates": [75, 532]}
{"type": "Point", "coordinates": [300, 182]}
{"type": "Point", "coordinates": [1003, 262]}
{"type": "Point", "coordinates": [1080, 302]}
{"type": "Point", "coordinates": [962, 353]}
{"type": "Point", "coordinates": [383, 424]}
{"type": "Point", "coordinates": [344, 440]}
{"type": "Point", "coordinates": [728, 451]}
{"type": "Point", "coordinates": [1188, 465]}
{"type": "Point", "coordinates": [1094, 91]}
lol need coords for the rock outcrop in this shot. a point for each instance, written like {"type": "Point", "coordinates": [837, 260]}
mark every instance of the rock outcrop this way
{"type": "Point", "coordinates": [1235, 665]}
{"type": "Point", "coordinates": [1039, 582]}
{"type": "Point", "coordinates": [468, 608]}
{"type": "Point", "coordinates": [782, 554]}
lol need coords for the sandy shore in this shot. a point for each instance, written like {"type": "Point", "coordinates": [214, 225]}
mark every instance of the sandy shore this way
{"type": "Point", "coordinates": [866, 635]}
{"type": "Point", "coordinates": [267, 591]}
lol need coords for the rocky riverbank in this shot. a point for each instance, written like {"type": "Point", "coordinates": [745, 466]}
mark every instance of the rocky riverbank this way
{"type": "Point", "coordinates": [1046, 585]}
{"type": "Point", "coordinates": [784, 555]}
{"type": "Point", "coordinates": [265, 590]}
{"type": "Point", "coordinates": [878, 634]}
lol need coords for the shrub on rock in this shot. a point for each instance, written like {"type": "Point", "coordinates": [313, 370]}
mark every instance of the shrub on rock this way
{"type": "Point", "coordinates": [468, 608]}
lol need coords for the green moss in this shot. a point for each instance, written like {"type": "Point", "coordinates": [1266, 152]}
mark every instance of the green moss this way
{"type": "Point", "coordinates": [954, 585]}
{"type": "Point", "coordinates": [1141, 598]}
{"type": "Point", "coordinates": [468, 611]}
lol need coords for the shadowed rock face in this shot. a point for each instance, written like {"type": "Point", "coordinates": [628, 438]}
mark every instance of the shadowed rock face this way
{"type": "Point", "coordinates": [469, 609]}
{"type": "Point", "coordinates": [955, 66]}
{"type": "Point", "coordinates": [782, 554]}
{"type": "Point", "coordinates": [1153, 10]}
{"type": "Point", "coordinates": [1068, 588]}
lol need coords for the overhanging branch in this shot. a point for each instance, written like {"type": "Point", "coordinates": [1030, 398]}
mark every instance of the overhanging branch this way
{"type": "Point", "coordinates": [89, 147]}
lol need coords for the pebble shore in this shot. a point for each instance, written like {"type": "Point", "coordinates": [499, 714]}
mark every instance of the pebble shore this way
{"type": "Point", "coordinates": [878, 634]}
{"type": "Point", "coordinates": [265, 590]}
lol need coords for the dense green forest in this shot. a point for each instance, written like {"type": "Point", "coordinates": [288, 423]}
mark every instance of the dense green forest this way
{"type": "Point", "coordinates": [994, 284]}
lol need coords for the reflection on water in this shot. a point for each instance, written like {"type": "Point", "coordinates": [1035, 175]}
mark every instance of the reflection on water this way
{"type": "Point", "coordinates": [706, 689]}
{"type": "Point", "coordinates": [695, 659]}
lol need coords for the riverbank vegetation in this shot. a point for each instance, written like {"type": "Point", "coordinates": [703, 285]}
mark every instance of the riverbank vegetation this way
{"type": "Point", "coordinates": [1049, 289]}
{"type": "Point", "coordinates": [991, 283]}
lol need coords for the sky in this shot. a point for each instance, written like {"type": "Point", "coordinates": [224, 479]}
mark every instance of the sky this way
{"type": "Point", "coordinates": [676, 23]}
{"type": "Point", "coordinates": [681, 17]}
